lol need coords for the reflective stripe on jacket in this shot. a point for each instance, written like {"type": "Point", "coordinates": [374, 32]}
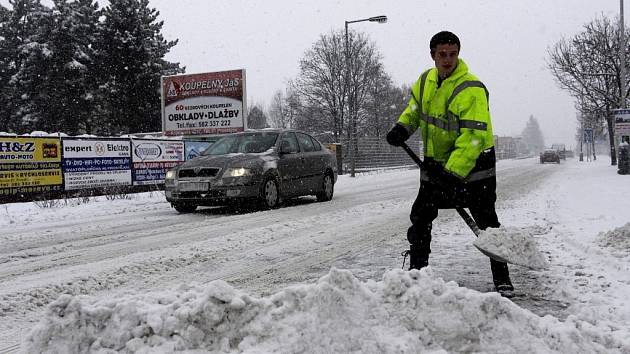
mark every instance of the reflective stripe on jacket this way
{"type": "Point", "coordinates": [454, 119]}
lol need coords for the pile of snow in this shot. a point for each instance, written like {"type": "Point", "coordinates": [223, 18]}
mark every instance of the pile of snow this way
{"type": "Point", "coordinates": [515, 245]}
{"type": "Point", "coordinates": [618, 238]}
{"type": "Point", "coordinates": [86, 136]}
{"type": "Point", "coordinates": [406, 312]}
{"type": "Point", "coordinates": [37, 133]}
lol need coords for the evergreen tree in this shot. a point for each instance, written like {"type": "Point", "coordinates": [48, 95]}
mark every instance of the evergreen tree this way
{"type": "Point", "coordinates": [130, 51]}
{"type": "Point", "coordinates": [59, 77]}
{"type": "Point", "coordinates": [6, 53]}
{"type": "Point", "coordinates": [72, 70]}
{"type": "Point", "coordinates": [532, 136]}
{"type": "Point", "coordinates": [22, 44]}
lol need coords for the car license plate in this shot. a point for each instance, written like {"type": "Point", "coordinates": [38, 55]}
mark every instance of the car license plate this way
{"type": "Point", "coordinates": [194, 186]}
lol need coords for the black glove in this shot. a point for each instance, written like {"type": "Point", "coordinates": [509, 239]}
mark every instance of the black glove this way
{"type": "Point", "coordinates": [438, 175]}
{"type": "Point", "coordinates": [397, 135]}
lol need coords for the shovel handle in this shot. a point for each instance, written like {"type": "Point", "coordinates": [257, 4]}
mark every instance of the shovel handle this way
{"type": "Point", "coordinates": [469, 221]}
{"type": "Point", "coordinates": [412, 154]}
{"type": "Point", "coordinates": [467, 218]}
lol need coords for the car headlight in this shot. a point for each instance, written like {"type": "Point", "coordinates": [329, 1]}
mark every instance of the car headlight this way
{"type": "Point", "coordinates": [237, 172]}
{"type": "Point", "coordinates": [171, 174]}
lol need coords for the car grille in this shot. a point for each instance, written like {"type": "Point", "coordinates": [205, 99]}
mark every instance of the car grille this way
{"type": "Point", "coordinates": [202, 172]}
{"type": "Point", "coordinates": [200, 195]}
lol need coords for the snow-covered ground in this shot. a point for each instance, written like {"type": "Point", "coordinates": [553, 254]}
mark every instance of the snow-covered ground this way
{"type": "Point", "coordinates": [134, 276]}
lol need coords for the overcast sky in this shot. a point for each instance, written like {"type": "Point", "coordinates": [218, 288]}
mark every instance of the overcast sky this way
{"type": "Point", "coordinates": [504, 43]}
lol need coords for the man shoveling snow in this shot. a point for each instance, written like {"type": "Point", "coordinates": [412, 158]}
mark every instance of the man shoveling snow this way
{"type": "Point", "coordinates": [450, 107]}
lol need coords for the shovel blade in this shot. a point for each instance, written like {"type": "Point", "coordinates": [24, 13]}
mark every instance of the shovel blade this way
{"type": "Point", "coordinates": [496, 257]}
{"type": "Point", "coordinates": [511, 245]}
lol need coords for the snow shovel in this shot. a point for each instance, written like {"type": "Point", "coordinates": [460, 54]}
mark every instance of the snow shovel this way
{"type": "Point", "coordinates": [501, 244]}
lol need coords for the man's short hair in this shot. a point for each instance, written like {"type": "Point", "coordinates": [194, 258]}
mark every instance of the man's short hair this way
{"type": "Point", "coordinates": [444, 37]}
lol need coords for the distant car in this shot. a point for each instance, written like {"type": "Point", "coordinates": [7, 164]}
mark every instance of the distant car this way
{"type": "Point", "coordinates": [561, 150]}
{"type": "Point", "coordinates": [260, 166]}
{"type": "Point", "coordinates": [550, 155]}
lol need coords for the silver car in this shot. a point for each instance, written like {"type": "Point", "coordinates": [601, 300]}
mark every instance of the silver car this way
{"type": "Point", "coordinates": [257, 166]}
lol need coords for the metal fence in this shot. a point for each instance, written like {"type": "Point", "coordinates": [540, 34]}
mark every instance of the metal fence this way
{"type": "Point", "coordinates": [375, 153]}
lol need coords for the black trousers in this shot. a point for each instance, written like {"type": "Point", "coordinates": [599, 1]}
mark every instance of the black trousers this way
{"type": "Point", "coordinates": [425, 209]}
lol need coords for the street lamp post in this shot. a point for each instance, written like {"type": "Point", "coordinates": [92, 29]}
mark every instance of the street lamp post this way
{"type": "Point", "coordinates": [352, 118]}
{"type": "Point", "coordinates": [622, 57]}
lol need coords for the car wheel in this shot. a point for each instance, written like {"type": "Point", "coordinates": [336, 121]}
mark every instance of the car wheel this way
{"type": "Point", "coordinates": [328, 188]}
{"type": "Point", "coordinates": [270, 194]}
{"type": "Point", "coordinates": [184, 208]}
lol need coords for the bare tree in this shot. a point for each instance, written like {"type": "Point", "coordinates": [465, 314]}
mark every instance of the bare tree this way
{"type": "Point", "coordinates": [321, 87]}
{"type": "Point", "coordinates": [365, 70]}
{"type": "Point", "coordinates": [281, 114]}
{"type": "Point", "coordinates": [588, 67]}
{"type": "Point", "coordinates": [384, 104]}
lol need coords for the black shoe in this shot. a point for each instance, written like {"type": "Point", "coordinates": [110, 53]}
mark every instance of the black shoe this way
{"type": "Point", "coordinates": [404, 254]}
{"type": "Point", "coordinates": [501, 278]}
{"type": "Point", "coordinates": [415, 261]}
{"type": "Point", "coordinates": [504, 288]}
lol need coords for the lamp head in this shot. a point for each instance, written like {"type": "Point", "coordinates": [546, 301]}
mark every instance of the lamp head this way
{"type": "Point", "coordinates": [379, 19]}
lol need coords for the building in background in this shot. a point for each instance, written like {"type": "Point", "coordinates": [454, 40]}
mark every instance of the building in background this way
{"type": "Point", "coordinates": [508, 147]}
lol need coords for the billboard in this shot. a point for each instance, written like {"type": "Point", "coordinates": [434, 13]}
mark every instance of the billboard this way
{"type": "Point", "coordinates": [95, 163]}
{"type": "Point", "coordinates": [30, 165]}
{"type": "Point", "coordinates": [152, 158]}
{"type": "Point", "coordinates": [204, 104]}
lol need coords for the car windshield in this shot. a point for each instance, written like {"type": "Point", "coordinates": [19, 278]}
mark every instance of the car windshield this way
{"type": "Point", "coordinates": [243, 143]}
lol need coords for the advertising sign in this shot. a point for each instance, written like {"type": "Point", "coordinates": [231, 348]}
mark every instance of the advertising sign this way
{"type": "Point", "coordinates": [93, 163]}
{"type": "Point", "coordinates": [203, 104]}
{"type": "Point", "coordinates": [622, 122]}
{"type": "Point", "coordinates": [152, 158]}
{"type": "Point", "coordinates": [29, 165]}
{"type": "Point", "coordinates": [195, 148]}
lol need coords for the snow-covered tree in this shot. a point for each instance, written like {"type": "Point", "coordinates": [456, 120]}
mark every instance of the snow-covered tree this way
{"type": "Point", "coordinates": [6, 53]}
{"type": "Point", "coordinates": [72, 36]}
{"type": "Point", "coordinates": [130, 57]}
{"type": "Point", "coordinates": [22, 44]}
{"type": "Point", "coordinates": [58, 77]}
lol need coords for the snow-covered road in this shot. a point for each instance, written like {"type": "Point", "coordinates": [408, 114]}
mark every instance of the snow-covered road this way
{"type": "Point", "coordinates": [104, 247]}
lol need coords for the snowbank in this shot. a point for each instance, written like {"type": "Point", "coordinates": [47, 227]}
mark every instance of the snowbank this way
{"type": "Point", "coordinates": [618, 238]}
{"type": "Point", "coordinates": [406, 312]}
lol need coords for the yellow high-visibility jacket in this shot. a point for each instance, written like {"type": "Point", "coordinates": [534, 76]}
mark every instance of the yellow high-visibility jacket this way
{"type": "Point", "coordinates": [454, 120]}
